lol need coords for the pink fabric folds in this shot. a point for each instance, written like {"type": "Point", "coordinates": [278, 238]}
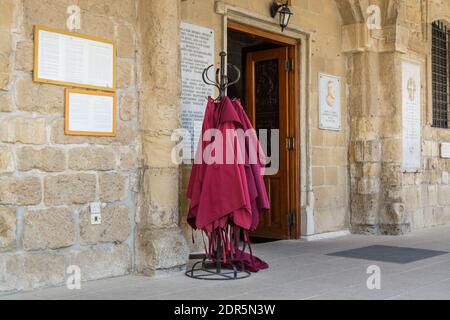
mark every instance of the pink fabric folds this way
{"type": "Point", "coordinates": [226, 187]}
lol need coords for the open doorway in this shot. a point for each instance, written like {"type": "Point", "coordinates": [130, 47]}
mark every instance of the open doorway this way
{"type": "Point", "coordinates": [268, 95]}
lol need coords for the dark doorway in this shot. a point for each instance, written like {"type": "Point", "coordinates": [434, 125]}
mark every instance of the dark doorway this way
{"type": "Point", "coordinates": [265, 93]}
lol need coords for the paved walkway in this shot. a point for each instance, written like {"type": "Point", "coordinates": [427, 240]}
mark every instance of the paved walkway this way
{"type": "Point", "coordinates": [301, 270]}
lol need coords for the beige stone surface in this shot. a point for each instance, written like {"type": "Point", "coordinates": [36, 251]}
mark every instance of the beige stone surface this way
{"type": "Point", "coordinates": [23, 130]}
{"type": "Point", "coordinates": [126, 135]}
{"type": "Point", "coordinates": [8, 13]}
{"type": "Point", "coordinates": [38, 13]}
{"type": "Point", "coordinates": [115, 227]}
{"type": "Point", "coordinates": [40, 98]}
{"type": "Point", "coordinates": [163, 249]}
{"type": "Point", "coordinates": [46, 159]}
{"type": "Point", "coordinates": [20, 191]}
{"type": "Point", "coordinates": [125, 41]}
{"type": "Point", "coordinates": [87, 159]}
{"type": "Point", "coordinates": [101, 263]}
{"type": "Point", "coordinates": [113, 186]}
{"type": "Point", "coordinates": [48, 229]}
{"type": "Point", "coordinates": [31, 271]}
{"type": "Point", "coordinates": [6, 160]}
{"type": "Point", "coordinates": [127, 158]}
{"type": "Point", "coordinates": [5, 57]}
{"type": "Point", "coordinates": [8, 224]}
{"type": "Point", "coordinates": [127, 106]}
{"type": "Point", "coordinates": [68, 189]}
{"type": "Point", "coordinates": [5, 103]}
{"type": "Point", "coordinates": [125, 74]}
{"type": "Point", "coordinates": [24, 56]}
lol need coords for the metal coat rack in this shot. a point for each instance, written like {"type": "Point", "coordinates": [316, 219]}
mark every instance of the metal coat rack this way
{"type": "Point", "coordinates": [211, 269]}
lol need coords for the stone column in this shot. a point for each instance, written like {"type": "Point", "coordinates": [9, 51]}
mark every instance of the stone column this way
{"type": "Point", "coordinates": [160, 244]}
{"type": "Point", "coordinates": [374, 80]}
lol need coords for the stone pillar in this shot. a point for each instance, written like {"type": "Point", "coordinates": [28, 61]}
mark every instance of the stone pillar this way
{"type": "Point", "coordinates": [374, 80]}
{"type": "Point", "coordinates": [160, 244]}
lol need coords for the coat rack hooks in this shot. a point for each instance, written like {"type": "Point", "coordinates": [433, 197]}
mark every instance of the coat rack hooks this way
{"type": "Point", "coordinates": [222, 81]}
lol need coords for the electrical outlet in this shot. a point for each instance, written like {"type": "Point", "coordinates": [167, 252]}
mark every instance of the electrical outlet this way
{"type": "Point", "coordinates": [96, 219]}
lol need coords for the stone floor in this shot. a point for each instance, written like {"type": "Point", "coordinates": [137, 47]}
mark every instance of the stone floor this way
{"type": "Point", "coordinates": [299, 270]}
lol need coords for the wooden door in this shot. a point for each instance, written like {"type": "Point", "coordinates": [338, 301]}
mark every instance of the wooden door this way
{"type": "Point", "coordinates": [267, 107]}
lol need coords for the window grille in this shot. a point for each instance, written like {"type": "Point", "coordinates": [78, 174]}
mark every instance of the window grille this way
{"type": "Point", "coordinates": [440, 70]}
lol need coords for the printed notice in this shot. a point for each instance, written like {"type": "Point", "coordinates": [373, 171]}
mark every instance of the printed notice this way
{"type": "Point", "coordinates": [90, 113]}
{"type": "Point", "coordinates": [412, 130]}
{"type": "Point", "coordinates": [329, 102]}
{"type": "Point", "coordinates": [68, 59]}
{"type": "Point", "coordinates": [197, 53]}
{"type": "Point", "coordinates": [445, 150]}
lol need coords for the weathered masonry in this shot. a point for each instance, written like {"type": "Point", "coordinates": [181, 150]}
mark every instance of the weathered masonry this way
{"type": "Point", "coordinates": [388, 57]}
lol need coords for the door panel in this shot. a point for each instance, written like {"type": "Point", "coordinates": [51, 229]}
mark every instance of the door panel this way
{"type": "Point", "coordinates": [268, 104]}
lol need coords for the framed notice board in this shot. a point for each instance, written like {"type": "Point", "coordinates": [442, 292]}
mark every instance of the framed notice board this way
{"type": "Point", "coordinates": [90, 113]}
{"type": "Point", "coordinates": [70, 59]}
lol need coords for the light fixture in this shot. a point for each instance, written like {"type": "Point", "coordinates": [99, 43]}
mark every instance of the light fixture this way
{"type": "Point", "coordinates": [284, 11]}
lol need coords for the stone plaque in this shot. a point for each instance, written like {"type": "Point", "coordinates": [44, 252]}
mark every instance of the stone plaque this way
{"type": "Point", "coordinates": [329, 102]}
{"type": "Point", "coordinates": [412, 129]}
{"type": "Point", "coordinates": [445, 150]}
{"type": "Point", "coordinates": [197, 53]}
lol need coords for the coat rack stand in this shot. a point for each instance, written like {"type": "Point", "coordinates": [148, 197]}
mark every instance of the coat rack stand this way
{"type": "Point", "coordinates": [211, 269]}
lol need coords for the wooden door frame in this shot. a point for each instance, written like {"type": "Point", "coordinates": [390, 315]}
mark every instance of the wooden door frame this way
{"type": "Point", "coordinates": [294, 111]}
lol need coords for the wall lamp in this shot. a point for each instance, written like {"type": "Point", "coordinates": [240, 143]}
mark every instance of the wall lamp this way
{"type": "Point", "coordinates": [284, 11]}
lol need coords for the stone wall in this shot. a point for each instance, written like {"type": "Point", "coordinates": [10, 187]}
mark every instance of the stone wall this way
{"type": "Point", "coordinates": [385, 198]}
{"type": "Point", "coordinates": [47, 179]}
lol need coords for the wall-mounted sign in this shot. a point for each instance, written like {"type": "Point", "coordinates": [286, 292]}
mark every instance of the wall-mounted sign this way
{"type": "Point", "coordinates": [197, 53]}
{"type": "Point", "coordinates": [412, 128]}
{"type": "Point", "coordinates": [90, 113]}
{"type": "Point", "coordinates": [329, 102]}
{"type": "Point", "coordinates": [445, 150]}
{"type": "Point", "coordinates": [70, 59]}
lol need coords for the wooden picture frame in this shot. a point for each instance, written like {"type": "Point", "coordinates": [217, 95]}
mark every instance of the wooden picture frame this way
{"type": "Point", "coordinates": [36, 78]}
{"type": "Point", "coordinates": [67, 129]}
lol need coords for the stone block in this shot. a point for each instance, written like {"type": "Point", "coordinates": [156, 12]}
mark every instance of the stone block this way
{"type": "Point", "coordinates": [5, 104]}
{"type": "Point", "coordinates": [24, 130]}
{"type": "Point", "coordinates": [6, 160]}
{"type": "Point", "coordinates": [113, 186]}
{"type": "Point", "coordinates": [39, 98]}
{"type": "Point", "coordinates": [127, 107]}
{"type": "Point", "coordinates": [99, 263]}
{"type": "Point", "coordinates": [126, 135]}
{"type": "Point", "coordinates": [8, 13]}
{"type": "Point", "coordinates": [444, 195]}
{"type": "Point", "coordinates": [125, 41]}
{"type": "Point", "coordinates": [20, 191]}
{"type": "Point", "coordinates": [161, 249]}
{"type": "Point", "coordinates": [48, 229]}
{"type": "Point", "coordinates": [31, 271]}
{"type": "Point", "coordinates": [7, 228]}
{"type": "Point", "coordinates": [128, 158]}
{"type": "Point", "coordinates": [24, 56]}
{"type": "Point", "coordinates": [318, 176]}
{"type": "Point", "coordinates": [46, 13]}
{"type": "Point", "coordinates": [69, 189]}
{"type": "Point", "coordinates": [46, 159]}
{"type": "Point", "coordinates": [125, 74]}
{"type": "Point", "coordinates": [115, 227]}
{"type": "Point", "coordinates": [161, 190]}
{"type": "Point", "coordinates": [86, 159]}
